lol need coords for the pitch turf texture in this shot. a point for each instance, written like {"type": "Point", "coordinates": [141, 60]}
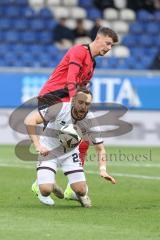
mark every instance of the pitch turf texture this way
{"type": "Point", "coordinates": [128, 210]}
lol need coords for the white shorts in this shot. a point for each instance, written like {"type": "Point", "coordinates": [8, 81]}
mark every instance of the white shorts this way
{"type": "Point", "coordinates": [71, 166]}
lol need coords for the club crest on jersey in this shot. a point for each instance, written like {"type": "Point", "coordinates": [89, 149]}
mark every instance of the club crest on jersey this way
{"type": "Point", "coordinates": [63, 123]}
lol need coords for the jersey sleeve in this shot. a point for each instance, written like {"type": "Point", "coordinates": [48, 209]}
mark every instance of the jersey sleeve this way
{"type": "Point", "coordinates": [76, 58]}
{"type": "Point", "coordinates": [94, 136]}
{"type": "Point", "coordinates": [93, 131]}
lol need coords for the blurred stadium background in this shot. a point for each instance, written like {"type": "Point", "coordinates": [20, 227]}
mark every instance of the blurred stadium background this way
{"type": "Point", "coordinates": [34, 36]}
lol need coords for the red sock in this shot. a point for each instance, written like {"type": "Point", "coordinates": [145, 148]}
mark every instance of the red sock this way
{"type": "Point", "coordinates": [83, 147]}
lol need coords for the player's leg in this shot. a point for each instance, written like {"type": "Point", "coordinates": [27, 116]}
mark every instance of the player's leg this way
{"type": "Point", "coordinates": [45, 183]}
{"type": "Point", "coordinates": [79, 186]}
{"type": "Point", "coordinates": [73, 169]}
{"type": "Point", "coordinates": [83, 148]}
{"type": "Point", "coordinates": [58, 192]}
{"type": "Point", "coordinates": [43, 103]}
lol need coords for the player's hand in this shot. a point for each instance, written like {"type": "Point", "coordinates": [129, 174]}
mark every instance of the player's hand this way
{"type": "Point", "coordinates": [106, 176]}
{"type": "Point", "coordinates": [42, 150]}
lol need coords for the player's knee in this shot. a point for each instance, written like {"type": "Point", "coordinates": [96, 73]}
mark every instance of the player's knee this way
{"type": "Point", "coordinates": [46, 189]}
{"type": "Point", "coordinates": [80, 190]}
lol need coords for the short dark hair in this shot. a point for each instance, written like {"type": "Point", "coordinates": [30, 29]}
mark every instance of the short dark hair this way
{"type": "Point", "coordinates": [108, 32]}
{"type": "Point", "coordinates": [84, 90]}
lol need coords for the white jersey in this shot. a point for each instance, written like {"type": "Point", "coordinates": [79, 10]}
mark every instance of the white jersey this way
{"type": "Point", "coordinates": [60, 115]}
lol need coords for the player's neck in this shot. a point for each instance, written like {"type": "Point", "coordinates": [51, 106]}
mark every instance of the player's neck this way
{"type": "Point", "coordinates": [93, 49]}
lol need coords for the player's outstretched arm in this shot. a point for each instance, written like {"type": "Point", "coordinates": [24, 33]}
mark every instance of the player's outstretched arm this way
{"type": "Point", "coordinates": [102, 159]}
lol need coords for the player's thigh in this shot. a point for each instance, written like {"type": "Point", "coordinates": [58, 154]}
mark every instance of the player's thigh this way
{"type": "Point", "coordinates": [46, 171]}
{"type": "Point", "coordinates": [72, 168]}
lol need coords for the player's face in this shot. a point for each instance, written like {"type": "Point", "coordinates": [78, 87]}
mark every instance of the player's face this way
{"type": "Point", "coordinates": [105, 44]}
{"type": "Point", "coordinates": [81, 105]}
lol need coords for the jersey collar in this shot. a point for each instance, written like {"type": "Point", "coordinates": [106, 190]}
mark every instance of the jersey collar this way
{"type": "Point", "coordinates": [89, 49]}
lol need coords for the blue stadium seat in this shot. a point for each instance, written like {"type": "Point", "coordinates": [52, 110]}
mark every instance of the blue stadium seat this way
{"type": "Point", "coordinates": [98, 62]}
{"type": "Point", "coordinates": [20, 24]}
{"type": "Point", "coordinates": [137, 52]}
{"type": "Point", "coordinates": [2, 8]}
{"type": "Point", "coordinates": [21, 2]}
{"type": "Point", "coordinates": [138, 66]}
{"type": "Point", "coordinates": [3, 62]}
{"type": "Point", "coordinates": [27, 59]}
{"type": "Point", "coordinates": [93, 13]}
{"type": "Point", "coordinates": [137, 28]}
{"type": "Point", "coordinates": [52, 50]}
{"type": "Point", "coordinates": [145, 63]}
{"type": "Point", "coordinates": [11, 37]}
{"type": "Point", "coordinates": [112, 61]}
{"type": "Point", "coordinates": [129, 40]}
{"type": "Point", "coordinates": [4, 48]}
{"type": "Point", "coordinates": [50, 24]}
{"type": "Point", "coordinates": [37, 25]}
{"type": "Point", "coordinates": [19, 63]}
{"type": "Point", "coordinates": [86, 4]}
{"type": "Point", "coordinates": [12, 12]}
{"type": "Point", "coordinates": [6, 2]}
{"type": "Point", "coordinates": [5, 23]}
{"type": "Point", "coordinates": [45, 37]}
{"type": "Point", "coordinates": [1, 11]}
{"type": "Point", "coordinates": [122, 64]}
{"type": "Point", "coordinates": [106, 63]}
{"type": "Point", "coordinates": [45, 13]}
{"type": "Point", "coordinates": [157, 15]}
{"type": "Point", "coordinates": [157, 41]}
{"type": "Point", "coordinates": [142, 52]}
{"type": "Point", "coordinates": [131, 63]}
{"type": "Point", "coordinates": [36, 49]}
{"type": "Point", "coordinates": [19, 49]}
{"type": "Point", "coordinates": [10, 58]}
{"type": "Point", "coordinates": [146, 40]}
{"type": "Point", "coordinates": [152, 28]}
{"type": "Point", "coordinates": [2, 37]}
{"type": "Point", "coordinates": [144, 16]}
{"type": "Point", "coordinates": [152, 51]}
{"type": "Point", "coordinates": [28, 12]}
{"type": "Point", "coordinates": [44, 59]}
{"type": "Point", "coordinates": [29, 37]}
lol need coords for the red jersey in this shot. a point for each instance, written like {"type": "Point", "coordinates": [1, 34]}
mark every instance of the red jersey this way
{"type": "Point", "coordinates": [75, 68]}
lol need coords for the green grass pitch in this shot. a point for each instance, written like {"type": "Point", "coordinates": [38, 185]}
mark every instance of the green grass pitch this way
{"type": "Point", "coordinates": [128, 210]}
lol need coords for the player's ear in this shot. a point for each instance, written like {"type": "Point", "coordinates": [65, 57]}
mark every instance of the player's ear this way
{"type": "Point", "coordinates": [97, 37]}
{"type": "Point", "coordinates": [73, 100]}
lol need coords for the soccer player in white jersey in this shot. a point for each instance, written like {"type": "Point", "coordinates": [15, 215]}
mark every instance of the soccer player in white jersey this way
{"type": "Point", "coordinates": [51, 150]}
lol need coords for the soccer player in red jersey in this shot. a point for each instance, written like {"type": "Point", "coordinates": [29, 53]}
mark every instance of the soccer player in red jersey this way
{"type": "Point", "coordinates": [77, 66]}
{"type": "Point", "coordinates": [75, 70]}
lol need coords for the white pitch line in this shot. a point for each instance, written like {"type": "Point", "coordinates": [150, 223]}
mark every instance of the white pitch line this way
{"type": "Point", "coordinates": [89, 171]}
{"type": "Point", "coordinates": [130, 175]}
{"type": "Point", "coordinates": [116, 164]}
{"type": "Point", "coordinates": [145, 165]}
{"type": "Point", "coordinates": [16, 165]}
